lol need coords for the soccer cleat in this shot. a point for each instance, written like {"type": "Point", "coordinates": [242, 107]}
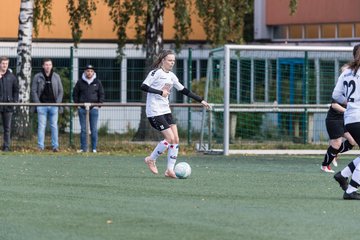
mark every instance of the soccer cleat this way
{"type": "Point", "coordinates": [343, 181]}
{"type": "Point", "coordinates": [351, 196]}
{"type": "Point", "coordinates": [151, 164]}
{"type": "Point", "coordinates": [170, 174]}
{"type": "Point", "coordinates": [327, 169]}
{"type": "Point", "coordinates": [334, 162]}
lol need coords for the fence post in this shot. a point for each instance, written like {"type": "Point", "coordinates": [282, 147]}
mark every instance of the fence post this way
{"type": "Point", "coordinates": [210, 130]}
{"type": "Point", "coordinates": [189, 100]}
{"type": "Point", "coordinates": [71, 92]}
{"type": "Point", "coordinates": [306, 98]}
{"type": "Point", "coordinates": [87, 107]}
{"type": "Point", "coordinates": [226, 99]}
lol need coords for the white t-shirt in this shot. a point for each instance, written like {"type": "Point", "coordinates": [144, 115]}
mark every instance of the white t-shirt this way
{"type": "Point", "coordinates": [347, 89]}
{"type": "Point", "coordinates": [156, 104]}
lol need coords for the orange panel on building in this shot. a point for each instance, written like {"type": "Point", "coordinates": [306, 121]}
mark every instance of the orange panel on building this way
{"type": "Point", "coordinates": [312, 11]}
{"type": "Point", "coordinates": [101, 28]}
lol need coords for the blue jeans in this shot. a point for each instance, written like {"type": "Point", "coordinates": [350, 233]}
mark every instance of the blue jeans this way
{"type": "Point", "coordinates": [94, 116]}
{"type": "Point", "coordinates": [43, 112]}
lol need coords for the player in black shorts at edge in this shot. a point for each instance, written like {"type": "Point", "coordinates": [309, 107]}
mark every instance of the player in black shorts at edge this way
{"type": "Point", "coordinates": [336, 130]}
{"type": "Point", "coordinates": [347, 92]}
{"type": "Point", "coordinates": [158, 85]}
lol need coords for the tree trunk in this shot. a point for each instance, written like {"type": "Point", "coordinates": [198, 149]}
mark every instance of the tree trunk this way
{"type": "Point", "coordinates": [23, 68]}
{"type": "Point", "coordinates": [154, 43]}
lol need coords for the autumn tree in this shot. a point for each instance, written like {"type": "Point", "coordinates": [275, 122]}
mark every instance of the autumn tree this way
{"type": "Point", "coordinates": [223, 20]}
{"type": "Point", "coordinates": [293, 6]}
{"type": "Point", "coordinates": [149, 26]}
{"type": "Point", "coordinates": [27, 17]}
{"type": "Point", "coordinates": [32, 13]}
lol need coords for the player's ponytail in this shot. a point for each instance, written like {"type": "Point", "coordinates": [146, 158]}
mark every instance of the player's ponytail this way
{"type": "Point", "coordinates": [354, 65]}
{"type": "Point", "coordinates": [163, 53]}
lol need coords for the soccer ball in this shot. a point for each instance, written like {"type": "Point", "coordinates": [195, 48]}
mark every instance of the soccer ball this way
{"type": "Point", "coordinates": [182, 170]}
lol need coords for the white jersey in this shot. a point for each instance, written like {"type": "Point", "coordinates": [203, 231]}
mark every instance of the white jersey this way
{"type": "Point", "coordinates": [347, 90]}
{"type": "Point", "coordinates": [156, 104]}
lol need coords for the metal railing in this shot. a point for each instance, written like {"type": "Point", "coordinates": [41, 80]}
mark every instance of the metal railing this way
{"type": "Point", "coordinates": [105, 105]}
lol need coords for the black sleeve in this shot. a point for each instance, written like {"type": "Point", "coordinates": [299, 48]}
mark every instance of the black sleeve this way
{"type": "Point", "coordinates": [16, 89]}
{"type": "Point", "coordinates": [101, 93]}
{"type": "Point", "coordinates": [76, 93]}
{"type": "Point", "coordinates": [146, 88]}
{"type": "Point", "coordinates": [341, 104]}
{"type": "Point", "coordinates": [188, 93]}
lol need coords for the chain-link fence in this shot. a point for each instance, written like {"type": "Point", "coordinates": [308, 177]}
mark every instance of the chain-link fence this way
{"type": "Point", "coordinates": [118, 123]}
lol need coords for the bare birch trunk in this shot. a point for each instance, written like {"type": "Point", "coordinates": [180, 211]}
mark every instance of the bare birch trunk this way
{"type": "Point", "coordinates": [23, 68]}
{"type": "Point", "coordinates": [154, 43]}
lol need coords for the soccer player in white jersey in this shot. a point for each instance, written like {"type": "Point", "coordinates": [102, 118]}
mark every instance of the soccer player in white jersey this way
{"type": "Point", "coordinates": [347, 92]}
{"type": "Point", "coordinates": [158, 85]}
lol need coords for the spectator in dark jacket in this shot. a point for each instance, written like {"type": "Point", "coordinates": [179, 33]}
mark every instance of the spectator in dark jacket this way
{"type": "Point", "coordinates": [9, 92]}
{"type": "Point", "coordinates": [88, 90]}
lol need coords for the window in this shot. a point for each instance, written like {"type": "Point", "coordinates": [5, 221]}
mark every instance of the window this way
{"type": "Point", "coordinates": [234, 80]}
{"type": "Point", "coordinates": [259, 81]}
{"type": "Point", "coordinates": [245, 84]}
{"type": "Point", "coordinates": [58, 63]}
{"type": "Point", "coordinates": [280, 32]}
{"type": "Point", "coordinates": [345, 30]}
{"type": "Point", "coordinates": [357, 30]}
{"type": "Point", "coordinates": [136, 73]}
{"type": "Point", "coordinates": [327, 76]}
{"type": "Point", "coordinates": [296, 31]}
{"type": "Point", "coordinates": [194, 70]}
{"type": "Point", "coordinates": [108, 71]}
{"type": "Point", "coordinates": [12, 64]}
{"type": "Point", "coordinates": [312, 31]}
{"type": "Point", "coordinates": [328, 31]}
{"type": "Point", "coordinates": [203, 68]}
{"type": "Point", "coordinates": [311, 87]}
{"type": "Point", "coordinates": [179, 71]}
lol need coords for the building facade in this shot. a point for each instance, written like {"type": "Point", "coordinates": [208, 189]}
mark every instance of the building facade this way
{"type": "Point", "coordinates": [320, 21]}
{"type": "Point", "coordinates": [101, 29]}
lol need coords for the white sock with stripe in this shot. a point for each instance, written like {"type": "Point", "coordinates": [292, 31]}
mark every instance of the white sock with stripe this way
{"type": "Point", "coordinates": [355, 180]}
{"type": "Point", "coordinates": [159, 149]}
{"type": "Point", "coordinates": [349, 169]}
{"type": "Point", "coordinates": [172, 156]}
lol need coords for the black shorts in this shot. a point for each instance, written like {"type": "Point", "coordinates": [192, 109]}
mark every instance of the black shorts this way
{"type": "Point", "coordinates": [354, 130]}
{"type": "Point", "coordinates": [335, 128]}
{"type": "Point", "coordinates": [161, 122]}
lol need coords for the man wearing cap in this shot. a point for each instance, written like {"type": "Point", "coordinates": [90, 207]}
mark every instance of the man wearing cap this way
{"type": "Point", "coordinates": [88, 90]}
{"type": "Point", "coordinates": [46, 87]}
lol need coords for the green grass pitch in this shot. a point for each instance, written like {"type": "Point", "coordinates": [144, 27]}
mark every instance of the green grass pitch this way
{"type": "Point", "coordinates": [99, 196]}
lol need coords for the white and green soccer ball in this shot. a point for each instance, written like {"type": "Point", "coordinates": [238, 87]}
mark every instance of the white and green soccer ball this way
{"type": "Point", "coordinates": [182, 170]}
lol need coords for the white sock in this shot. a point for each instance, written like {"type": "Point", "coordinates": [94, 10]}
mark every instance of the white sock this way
{"type": "Point", "coordinates": [350, 189]}
{"type": "Point", "coordinates": [159, 149]}
{"type": "Point", "coordinates": [172, 156]}
{"type": "Point", "coordinates": [346, 172]}
{"type": "Point", "coordinates": [355, 180]}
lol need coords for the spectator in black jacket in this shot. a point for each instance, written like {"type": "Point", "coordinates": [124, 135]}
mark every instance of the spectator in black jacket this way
{"type": "Point", "coordinates": [9, 92]}
{"type": "Point", "coordinates": [88, 90]}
